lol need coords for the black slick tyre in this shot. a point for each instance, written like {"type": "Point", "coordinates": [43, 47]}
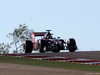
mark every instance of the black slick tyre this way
{"type": "Point", "coordinates": [72, 50]}
{"type": "Point", "coordinates": [71, 45]}
{"type": "Point", "coordinates": [28, 46]}
{"type": "Point", "coordinates": [41, 46]}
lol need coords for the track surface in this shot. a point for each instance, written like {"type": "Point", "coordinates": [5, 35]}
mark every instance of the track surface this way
{"type": "Point", "coordinates": [80, 57]}
{"type": "Point", "coordinates": [75, 57]}
{"type": "Point", "coordinates": [95, 55]}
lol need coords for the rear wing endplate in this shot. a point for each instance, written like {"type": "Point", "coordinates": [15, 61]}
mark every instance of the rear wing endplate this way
{"type": "Point", "coordinates": [37, 34]}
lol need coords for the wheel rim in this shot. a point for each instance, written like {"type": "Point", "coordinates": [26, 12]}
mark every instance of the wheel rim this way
{"type": "Point", "coordinates": [44, 48]}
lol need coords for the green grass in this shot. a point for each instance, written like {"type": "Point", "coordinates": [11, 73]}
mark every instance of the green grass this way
{"type": "Point", "coordinates": [52, 64]}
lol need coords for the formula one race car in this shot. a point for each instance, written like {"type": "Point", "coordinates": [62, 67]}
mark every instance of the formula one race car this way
{"type": "Point", "coordinates": [48, 43]}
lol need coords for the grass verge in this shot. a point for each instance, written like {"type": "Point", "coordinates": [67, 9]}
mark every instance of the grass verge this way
{"type": "Point", "coordinates": [52, 64]}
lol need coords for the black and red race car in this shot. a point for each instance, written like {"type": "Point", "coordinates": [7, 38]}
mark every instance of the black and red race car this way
{"type": "Point", "coordinates": [48, 43]}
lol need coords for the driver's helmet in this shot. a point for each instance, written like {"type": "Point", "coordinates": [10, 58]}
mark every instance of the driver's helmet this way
{"type": "Point", "coordinates": [49, 37]}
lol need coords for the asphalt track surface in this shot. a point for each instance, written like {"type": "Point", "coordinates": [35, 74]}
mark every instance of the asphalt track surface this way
{"type": "Point", "coordinates": [90, 57]}
{"type": "Point", "coordinates": [14, 69]}
{"type": "Point", "coordinates": [95, 55]}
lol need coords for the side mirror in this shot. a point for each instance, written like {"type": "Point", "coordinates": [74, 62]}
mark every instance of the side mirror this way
{"type": "Point", "coordinates": [58, 37]}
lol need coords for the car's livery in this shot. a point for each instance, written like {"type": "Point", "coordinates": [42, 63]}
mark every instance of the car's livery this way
{"type": "Point", "coordinates": [48, 43]}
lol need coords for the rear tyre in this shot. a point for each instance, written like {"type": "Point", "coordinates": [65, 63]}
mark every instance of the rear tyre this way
{"type": "Point", "coordinates": [28, 46]}
{"type": "Point", "coordinates": [41, 46]}
{"type": "Point", "coordinates": [73, 50]}
{"type": "Point", "coordinates": [56, 51]}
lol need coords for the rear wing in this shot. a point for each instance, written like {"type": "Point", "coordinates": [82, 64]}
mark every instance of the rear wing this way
{"type": "Point", "coordinates": [37, 34]}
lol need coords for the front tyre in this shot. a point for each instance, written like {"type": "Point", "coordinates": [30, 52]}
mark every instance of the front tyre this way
{"type": "Point", "coordinates": [28, 46]}
{"type": "Point", "coordinates": [71, 45]}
